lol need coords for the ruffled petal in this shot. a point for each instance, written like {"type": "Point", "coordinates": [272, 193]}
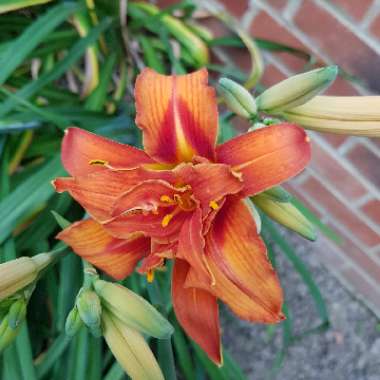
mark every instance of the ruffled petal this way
{"type": "Point", "coordinates": [177, 114]}
{"type": "Point", "coordinates": [191, 243]}
{"type": "Point", "coordinates": [210, 183]}
{"type": "Point", "coordinates": [97, 192]}
{"type": "Point", "coordinates": [237, 257]}
{"type": "Point", "coordinates": [266, 157]}
{"type": "Point", "coordinates": [197, 312]}
{"type": "Point", "coordinates": [80, 148]}
{"type": "Point", "coordinates": [116, 257]}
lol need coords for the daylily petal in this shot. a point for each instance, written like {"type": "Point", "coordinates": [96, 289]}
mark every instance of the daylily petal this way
{"type": "Point", "coordinates": [116, 257]}
{"type": "Point", "coordinates": [147, 196]}
{"type": "Point", "coordinates": [191, 243]}
{"type": "Point", "coordinates": [237, 258]}
{"type": "Point", "coordinates": [197, 312]}
{"type": "Point", "coordinates": [210, 183]}
{"type": "Point", "coordinates": [80, 148]}
{"type": "Point", "coordinates": [149, 224]}
{"type": "Point", "coordinates": [178, 115]}
{"type": "Point", "coordinates": [266, 157]}
{"type": "Point", "coordinates": [97, 192]}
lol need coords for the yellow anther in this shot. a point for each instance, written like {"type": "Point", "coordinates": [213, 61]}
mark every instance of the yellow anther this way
{"type": "Point", "coordinates": [166, 198]}
{"type": "Point", "coordinates": [98, 162]}
{"type": "Point", "coordinates": [214, 205]}
{"type": "Point", "coordinates": [307, 139]}
{"type": "Point", "coordinates": [166, 220]}
{"type": "Point", "coordinates": [150, 275]}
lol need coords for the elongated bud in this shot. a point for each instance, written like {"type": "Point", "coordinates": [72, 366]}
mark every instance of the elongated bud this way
{"type": "Point", "coordinates": [278, 193]}
{"type": "Point", "coordinates": [286, 214]}
{"type": "Point", "coordinates": [7, 334]}
{"type": "Point", "coordinates": [349, 115]}
{"type": "Point", "coordinates": [133, 310]}
{"type": "Point", "coordinates": [17, 274]}
{"type": "Point", "coordinates": [89, 308]}
{"type": "Point", "coordinates": [17, 313]}
{"type": "Point", "coordinates": [130, 349]}
{"type": "Point", "coordinates": [237, 98]}
{"type": "Point", "coordinates": [73, 322]}
{"type": "Point", "coordinates": [296, 90]}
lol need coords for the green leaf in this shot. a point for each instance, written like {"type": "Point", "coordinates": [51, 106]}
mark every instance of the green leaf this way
{"type": "Point", "coordinates": [19, 49]}
{"type": "Point", "coordinates": [11, 5]}
{"type": "Point", "coordinates": [59, 69]}
{"type": "Point", "coordinates": [33, 192]}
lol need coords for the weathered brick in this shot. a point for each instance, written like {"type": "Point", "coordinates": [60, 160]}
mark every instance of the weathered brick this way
{"type": "Point", "coordinates": [279, 4]}
{"type": "Point", "coordinates": [265, 27]}
{"type": "Point", "coordinates": [235, 7]}
{"type": "Point", "coordinates": [272, 75]}
{"type": "Point", "coordinates": [354, 8]}
{"type": "Point", "coordinates": [341, 44]}
{"type": "Point", "coordinates": [335, 140]}
{"type": "Point", "coordinates": [340, 212]}
{"type": "Point", "coordinates": [375, 27]}
{"type": "Point", "coordinates": [341, 87]}
{"type": "Point", "coordinates": [329, 168]}
{"type": "Point", "coordinates": [366, 162]}
{"type": "Point", "coordinates": [372, 210]}
{"type": "Point", "coordinates": [361, 284]}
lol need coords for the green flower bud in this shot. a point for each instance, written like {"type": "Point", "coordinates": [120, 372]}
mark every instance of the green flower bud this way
{"type": "Point", "coordinates": [89, 308]}
{"type": "Point", "coordinates": [286, 214]}
{"type": "Point", "coordinates": [7, 334]}
{"type": "Point", "coordinates": [296, 90]}
{"type": "Point", "coordinates": [133, 310]}
{"type": "Point", "coordinates": [73, 323]}
{"type": "Point", "coordinates": [278, 194]}
{"type": "Point", "coordinates": [17, 313]}
{"type": "Point", "coordinates": [238, 99]}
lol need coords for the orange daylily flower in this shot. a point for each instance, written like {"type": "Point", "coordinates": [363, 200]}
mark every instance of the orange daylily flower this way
{"type": "Point", "coordinates": [183, 199]}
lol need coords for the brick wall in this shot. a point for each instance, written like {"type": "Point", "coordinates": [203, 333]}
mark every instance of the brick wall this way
{"type": "Point", "coordinates": [343, 181]}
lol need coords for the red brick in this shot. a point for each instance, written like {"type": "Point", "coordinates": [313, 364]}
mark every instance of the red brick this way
{"type": "Point", "coordinates": [355, 8]}
{"type": "Point", "coordinates": [279, 4]}
{"type": "Point", "coordinates": [271, 76]}
{"type": "Point", "coordinates": [329, 168]}
{"type": "Point", "coordinates": [361, 284]}
{"type": "Point", "coordinates": [372, 210]}
{"type": "Point", "coordinates": [360, 258]}
{"type": "Point", "coordinates": [334, 140]}
{"type": "Point", "coordinates": [341, 87]}
{"type": "Point", "coordinates": [375, 27]}
{"type": "Point", "coordinates": [235, 7]}
{"type": "Point", "coordinates": [339, 212]}
{"type": "Point", "coordinates": [366, 162]}
{"type": "Point", "coordinates": [265, 27]}
{"type": "Point", "coordinates": [335, 39]}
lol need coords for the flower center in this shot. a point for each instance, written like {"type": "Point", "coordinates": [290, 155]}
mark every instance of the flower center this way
{"type": "Point", "coordinates": [182, 202]}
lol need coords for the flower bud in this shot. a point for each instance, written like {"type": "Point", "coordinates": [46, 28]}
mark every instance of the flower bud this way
{"type": "Point", "coordinates": [286, 214]}
{"type": "Point", "coordinates": [130, 349]}
{"type": "Point", "coordinates": [349, 115]}
{"type": "Point", "coordinates": [133, 310]}
{"type": "Point", "coordinates": [73, 322]}
{"type": "Point", "coordinates": [296, 90]}
{"type": "Point", "coordinates": [89, 308]}
{"type": "Point", "coordinates": [17, 274]}
{"type": "Point", "coordinates": [17, 313]}
{"type": "Point", "coordinates": [278, 193]}
{"type": "Point", "coordinates": [7, 333]}
{"type": "Point", "coordinates": [238, 99]}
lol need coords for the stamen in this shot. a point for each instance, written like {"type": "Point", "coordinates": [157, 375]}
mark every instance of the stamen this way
{"type": "Point", "coordinates": [150, 275]}
{"type": "Point", "coordinates": [214, 205]}
{"type": "Point", "coordinates": [97, 162]}
{"type": "Point", "coordinates": [166, 198]}
{"type": "Point", "coordinates": [166, 220]}
{"type": "Point", "coordinates": [307, 139]}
